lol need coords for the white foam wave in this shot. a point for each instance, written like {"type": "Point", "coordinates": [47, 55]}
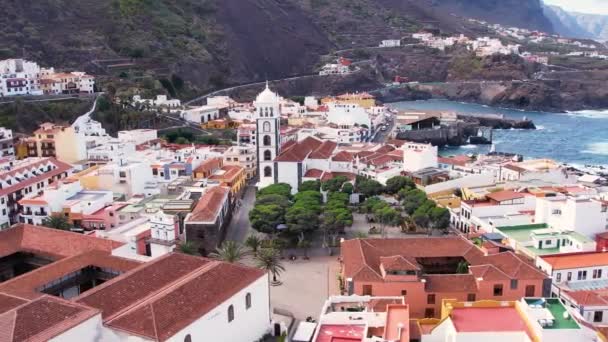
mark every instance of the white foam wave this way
{"type": "Point", "coordinates": [469, 146]}
{"type": "Point", "coordinates": [591, 114]}
{"type": "Point", "coordinates": [600, 148]}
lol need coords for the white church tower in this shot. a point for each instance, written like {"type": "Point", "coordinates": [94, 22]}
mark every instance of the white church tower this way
{"type": "Point", "coordinates": [268, 130]}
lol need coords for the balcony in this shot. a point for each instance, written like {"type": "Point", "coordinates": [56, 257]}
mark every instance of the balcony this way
{"type": "Point", "coordinates": [41, 213]}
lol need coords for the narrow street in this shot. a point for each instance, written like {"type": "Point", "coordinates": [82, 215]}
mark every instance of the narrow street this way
{"type": "Point", "coordinates": [239, 226]}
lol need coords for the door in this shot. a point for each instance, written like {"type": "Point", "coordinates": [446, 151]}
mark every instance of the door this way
{"type": "Point", "coordinates": [367, 290]}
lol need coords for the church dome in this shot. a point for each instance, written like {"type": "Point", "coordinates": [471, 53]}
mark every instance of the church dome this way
{"type": "Point", "coordinates": [267, 96]}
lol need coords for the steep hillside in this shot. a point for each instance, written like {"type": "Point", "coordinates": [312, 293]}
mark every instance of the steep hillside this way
{"type": "Point", "coordinates": [189, 46]}
{"type": "Point", "coordinates": [578, 25]}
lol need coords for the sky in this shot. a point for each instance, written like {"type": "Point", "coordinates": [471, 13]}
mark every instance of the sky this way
{"type": "Point", "coordinates": [584, 6]}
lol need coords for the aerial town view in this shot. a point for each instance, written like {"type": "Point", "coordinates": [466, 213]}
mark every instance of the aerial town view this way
{"type": "Point", "coordinates": [304, 170]}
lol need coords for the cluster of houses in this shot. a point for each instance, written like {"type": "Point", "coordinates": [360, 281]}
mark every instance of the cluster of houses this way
{"type": "Point", "coordinates": [529, 262]}
{"type": "Point", "coordinates": [22, 77]}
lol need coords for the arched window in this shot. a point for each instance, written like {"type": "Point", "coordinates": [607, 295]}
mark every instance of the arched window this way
{"type": "Point", "coordinates": [230, 313]}
{"type": "Point", "coordinates": [188, 338]}
{"type": "Point", "coordinates": [267, 140]}
{"type": "Point", "coordinates": [267, 171]}
{"type": "Point", "coordinates": [266, 126]}
{"type": "Point", "coordinates": [247, 300]}
{"type": "Point", "coordinates": [267, 155]}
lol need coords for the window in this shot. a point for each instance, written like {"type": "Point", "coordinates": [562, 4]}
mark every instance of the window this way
{"type": "Point", "coordinates": [530, 289]}
{"type": "Point", "coordinates": [404, 292]}
{"type": "Point", "coordinates": [498, 290]}
{"type": "Point", "coordinates": [188, 338]}
{"type": "Point", "coordinates": [367, 290]}
{"type": "Point", "coordinates": [513, 284]}
{"type": "Point", "coordinates": [248, 301]}
{"type": "Point", "coordinates": [598, 316]}
{"type": "Point", "coordinates": [569, 276]}
{"type": "Point", "coordinates": [267, 140]}
{"type": "Point", "coordinates": [267, 155]}
{"type": "Point", "coordinates": [581, 275]}
{"type": "Point", "coordinates": [230, 313]}
{"type": "Point", "coordinates": [429, 313]}
{"type": "Point", "coordinates": [597, 273]}
{"type": "Point", "coordinates": [266, 126]}
{"type": "Point", "coordinates": [267, 171]}
{"type": "Point", "coordinates": [558, 277]}
{"type": "Point", "coordinates": [471, 297]}
{"type": "Point", "coordinates": [430, 299]}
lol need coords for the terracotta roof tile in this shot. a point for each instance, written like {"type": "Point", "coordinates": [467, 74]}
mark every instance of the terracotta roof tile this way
{"type": "Point", "coordinates": [450, 283]}
{"type": "Point", "coordinates": [343, 156]}
{"type": "Point", "coordinates": [60, 168]}
{"type": "Point", "coordinates": [175, 306]}
{"type": "Point", "coordinates": [27, 285]}
{"type": "Point", "coordinates": [313, 173]}
{"type": "Point", "coordinates": [42, 319]}
{"type": "Point", "coordinates": [505, 195]}
{"type": "Point", "coordinates": [324, 151]}
{"type": "Point", "coordinates": [297, 152]}
{"type": "Point", "coordinates": [577, 260]}
{"type": "Point", "coordinates": [209, 205]}
{"type": "Point", "coordinates": [130, 288]}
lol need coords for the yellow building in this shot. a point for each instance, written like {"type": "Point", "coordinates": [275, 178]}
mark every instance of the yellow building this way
{"type": "Point", "coordinates": [58, 141]}
{"type": "Point", "coordinates": [364, 100]}
{"type": "Point", "coordinates": [232, 176]}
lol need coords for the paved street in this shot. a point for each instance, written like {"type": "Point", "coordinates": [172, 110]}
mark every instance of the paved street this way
{"type": "Point", "coordinates": [239, 227]}
{"type": "Point", "coordinates": [306, 286]}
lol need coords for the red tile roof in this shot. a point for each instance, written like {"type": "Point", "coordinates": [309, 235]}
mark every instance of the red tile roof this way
{"type": "Point", "coordinates": [505, 195]}
{"type": "Point", "coordinates": [172, 292]}
{"type": "Point", "coordinates": [327, 175]}
{"type": "Point", "coordinates": [209, 205]}
{"type": "Point", "coordinates": [42, 319]}
{"type": "Point", "coordinates": [50, 242]}
{"type": "Point", "coordinates": [362, 257]}
{"type": "Point", "coordinates": [298, 151]}
{"type": "Point", "coordinates": [210, 165]}
{"type": "Point", "coordinates": [577, 260]}
{"type": "Point", "coordinates": [229, 173]}
{"type": "Point", "coordinates": [587, 298]}
{"type": "Point", "coordinates": [60, 168]}
{"type": "Point", "coordinates": [343, 156]}
{"type": "Point", "coordinates": [450, 283]}
{"type": "Point", "coordinates": [313, 173]}
{"type": "Point", "coordinates": [492, 319]}
{"type": "Point", "coordinates": [324, 151]}
{"type": "Point", "coordinates": [27, 285]}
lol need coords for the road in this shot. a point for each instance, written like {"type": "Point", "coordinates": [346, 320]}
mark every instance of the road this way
{"type": "Point", "coordinates": [84, 118]}
{"type": "Point", "coordinates": [217, 92]}
{"type": "Point", "coordinates": [239, 226]}
{"type": "Point", "coordinates": [381, 136]}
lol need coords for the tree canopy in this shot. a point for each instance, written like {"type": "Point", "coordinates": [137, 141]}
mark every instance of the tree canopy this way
{"type": "Point", "coordinates": [276, 189]}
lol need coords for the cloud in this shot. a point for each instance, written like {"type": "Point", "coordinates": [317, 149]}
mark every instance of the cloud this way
{"type": "Point", "coordinates": [585, 6]}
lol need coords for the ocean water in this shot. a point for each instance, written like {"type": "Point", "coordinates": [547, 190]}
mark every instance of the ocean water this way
{"type": "Point", "coordinates": [577, 138]}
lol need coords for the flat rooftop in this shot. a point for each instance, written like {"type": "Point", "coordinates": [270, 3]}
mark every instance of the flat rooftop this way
{"type": "Point", "coordinates": [492, 319]}
{"type": "Point", "coordinates": [340, 333]}
{"type": "Point", "coordinates": [557, 310]}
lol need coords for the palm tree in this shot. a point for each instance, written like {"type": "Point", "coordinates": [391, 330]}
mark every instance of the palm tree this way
{"type": "Point", "coordinates": [253, 242]}
{"type": "Point", "coordinates": [57, 222]}
{"type": "Point", "coordinates": [187, 247]}
{"type": "Point", "coordinates": [268, 259]}
{"type": "Point", "coordinates": [229, 251]}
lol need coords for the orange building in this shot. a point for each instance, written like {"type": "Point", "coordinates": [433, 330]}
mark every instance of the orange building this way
{"type": "Point", "coordinates": [427, 270]}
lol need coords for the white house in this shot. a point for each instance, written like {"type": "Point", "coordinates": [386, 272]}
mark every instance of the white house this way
{"type": "Point", "coordinates": [201, 114]}
{"type": "Point", "coordinates": [419, 156]}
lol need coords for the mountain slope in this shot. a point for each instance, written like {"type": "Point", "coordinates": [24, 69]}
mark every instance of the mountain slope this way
{"type": "Point", "coordinates": [212, 43]}
{"type": "Point", "coordinates": [578, 25]}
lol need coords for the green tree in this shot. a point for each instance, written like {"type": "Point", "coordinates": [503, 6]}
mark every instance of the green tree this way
{"type": "Point", "coordinates": [462, 268]}
{"type": "Point", "coordinates": [387, 216]}
{"type": "Point", "coordinates": [421, 219]}
{"type": "Point", "coordinates": [397, 183]}
{"type": "Point", "coordinates": [348, 188]}
{"type": "Point", "coordinates": [369, 187]}
{"type": "Point", "coordinates": [253, 242]}
{"type": "Point", "coordinates": [188, 247]}
{"type": "Point", "coordinates": [229, 251]}
{"type": "Point", "coordinates": [334, 184]}
{"type": "Point", "coordinates": [268, 260]}
{"type": "Point", "coordinates": [182, 141]}
{"type": "Point", "coordinates": [57, 221]}
{"type": "Point", "coordinates": [276, 189]}
{"type": "Point", "coordinates": [440, 218]}
{"type": "Point", "coordinates": [266, 218]}
{"type": "Point", "coordinates": [273, 199]}
{"type": "Point", "coordinates": [301, 220]}
{"type": "Point", "coordinates": [312, 185]}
